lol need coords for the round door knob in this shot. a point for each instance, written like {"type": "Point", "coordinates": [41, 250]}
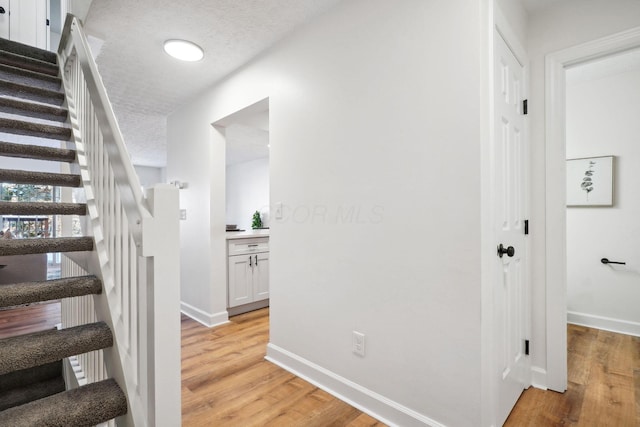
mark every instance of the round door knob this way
{"type": "Point", "coordinates": [2, 10]}
{"type": "Point", "coordinates": [510, 251]}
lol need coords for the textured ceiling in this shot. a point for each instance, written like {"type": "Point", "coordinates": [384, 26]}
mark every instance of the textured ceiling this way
{"type": "Point", "coordinates": [145, 85]}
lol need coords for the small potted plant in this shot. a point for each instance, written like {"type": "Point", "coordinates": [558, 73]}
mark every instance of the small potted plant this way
{"type": "Point", "coordinates": [256, 221]}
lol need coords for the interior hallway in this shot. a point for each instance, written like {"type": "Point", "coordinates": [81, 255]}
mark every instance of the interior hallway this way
{"type": "Point", "coordinates": [226, 381]}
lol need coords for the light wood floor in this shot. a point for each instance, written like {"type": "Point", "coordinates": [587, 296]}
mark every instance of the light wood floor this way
{"type": "Point", "coordinates": [227, 382]}
{"type": "Point", "coordinates": [31, 318]}
{"type": "Point", "coordinates": [603, 389]}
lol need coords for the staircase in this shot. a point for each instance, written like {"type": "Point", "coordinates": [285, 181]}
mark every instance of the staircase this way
{"type": "Point", "coordinates": [32, 391]}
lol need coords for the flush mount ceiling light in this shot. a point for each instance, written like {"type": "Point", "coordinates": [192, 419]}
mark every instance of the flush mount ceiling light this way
{"type": "Point", "coordinates": [184, 50]}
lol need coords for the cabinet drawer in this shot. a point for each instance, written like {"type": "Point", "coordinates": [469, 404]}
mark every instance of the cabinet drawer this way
{"type": "Point", "coordinates": [248, 246]}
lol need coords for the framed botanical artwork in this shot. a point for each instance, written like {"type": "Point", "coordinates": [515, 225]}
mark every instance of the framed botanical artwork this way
{"type": "Point", "coordinates": [590, 181]}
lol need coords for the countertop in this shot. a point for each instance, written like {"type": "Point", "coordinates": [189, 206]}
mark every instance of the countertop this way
{"type": "Point", "coordinates": [231, 235]}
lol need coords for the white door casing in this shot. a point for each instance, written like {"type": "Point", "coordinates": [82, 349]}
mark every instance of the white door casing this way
{"type": "Point", "coordinates": [510, 292]}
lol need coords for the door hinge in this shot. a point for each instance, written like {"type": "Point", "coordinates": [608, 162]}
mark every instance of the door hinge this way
{"type": "Point", "coordinates": [526, 226]}
{"type": "Point", "coordinates": [525, 106]}
{"type": "Point", "coordinates": [47, 22]}
{"type": "Point", "coordinates": [526, 347]}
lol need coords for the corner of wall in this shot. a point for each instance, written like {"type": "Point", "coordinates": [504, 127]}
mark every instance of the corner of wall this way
{"type": "Point", "coordinates": [207, 319]}
{"type": "Point", "coordinates": [386, 410]}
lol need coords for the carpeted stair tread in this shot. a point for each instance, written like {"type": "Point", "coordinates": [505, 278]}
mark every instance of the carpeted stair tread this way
{"type": "Point", "coordinates": [42, 208]}
{"type": "Point", "coordinates": [21, 395]}
{"type": "Point", "coordinates": [31, 64]}
{"type": "Point", "coordinates": [39, 130]}
{"type": "Point", "coordinates": [32, 109]}
{"type": "Point", "coordinates": [40, 178]}
{"type": "Point", "coordinates": [88, 405]}
{"type": "Point", "coordinates": [26, 351]}
{"type": "Point", "coordinates": [29, 292]}
{"type": "Point", "coordinates": [25, 377]}
{"type": "Point", "coordinates": [46, 245]}
{"type": "Point", "coordinates": [39, 152]}
{"type": "Point", "coordinates": [28, 77]}
{"type": "Point", "coordinates": [38, 94]}
{"type": "Point", "coordinates": [28, 51]}
{"type": "Point", "coordinates": [31, 382]}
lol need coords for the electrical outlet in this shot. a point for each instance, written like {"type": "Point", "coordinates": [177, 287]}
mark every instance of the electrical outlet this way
{"type": "Point", "coordinates": [358, 343]}
{"type": "Point", "coordinates": [183, 214]}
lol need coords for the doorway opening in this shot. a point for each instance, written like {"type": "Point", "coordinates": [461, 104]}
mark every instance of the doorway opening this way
{"type": "Point", "coordinates": [557, 65]}
{"type": "Point", "coordinates": [247, 165]}
{"type": "Point", "coordinates": [246, 199]}
{"type": "Point", "coordinates": [602, 204]}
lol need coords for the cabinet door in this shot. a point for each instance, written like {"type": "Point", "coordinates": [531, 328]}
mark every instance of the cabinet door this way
{"type": "Point", "coordinates": [240, 280]}
{"type": "Point", "coordinates": [261, 276]}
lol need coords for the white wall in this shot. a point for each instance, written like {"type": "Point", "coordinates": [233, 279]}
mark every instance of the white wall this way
{"type": "Point", "coordinates": [517, 18]}
{"type": "Point", "coordinates": [247, 187]}
{"type": "Point", "coordinates": [150, 176]}
{"type": "Point", "coordinates": [602, 119]}
{"type": "Point", "coordinates": [565, 24]}
{"type": "Point", "coordinates": [79, 8]}
{"type": "Point", "coordinates": [375, 137]}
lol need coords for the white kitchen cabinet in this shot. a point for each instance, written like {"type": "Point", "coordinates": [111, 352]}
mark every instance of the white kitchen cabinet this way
{"type": "Point", "coordinates": [248, 271]}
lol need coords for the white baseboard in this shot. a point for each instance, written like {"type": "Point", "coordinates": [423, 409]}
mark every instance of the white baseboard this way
{"type": "Point", "coordinates": [604, 323]}
{"type": "Point", "coordinates": [207, 319]}
{"type": "Point", "coordinates": [367, 401]}
{"type": "Point", "coordinates": [234, 311]}
{"type": "Point", "coordinates": [539, 378]}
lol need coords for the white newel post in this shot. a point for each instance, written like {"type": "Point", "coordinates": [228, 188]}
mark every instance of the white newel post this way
{"type": "Point", "coordinates": [161, 243]}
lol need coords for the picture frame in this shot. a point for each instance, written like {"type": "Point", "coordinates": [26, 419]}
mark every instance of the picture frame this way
{"type": "Point", "coordinates": [590, 181]}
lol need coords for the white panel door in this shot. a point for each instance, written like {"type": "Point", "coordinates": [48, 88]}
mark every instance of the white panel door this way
{"type": "Point", "coordinates": [28, 22]}
{"type": "Point", "coordinates": [510, 287]}
{"type": "Point", "coordinates": [4, 19]}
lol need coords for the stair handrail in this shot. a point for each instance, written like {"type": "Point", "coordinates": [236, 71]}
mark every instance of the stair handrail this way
{"type": "Point", "coordinates": [126, 176]}
{"type": "Point", "coordinates": [136, 245]}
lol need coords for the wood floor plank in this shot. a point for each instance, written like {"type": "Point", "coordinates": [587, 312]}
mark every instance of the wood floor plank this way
{"type": "Point", "coordinates": [364, 420]}
{"type": "Point", "coordinates": [580, 345]}
{"type": "Point", "coordinates": [636, 382]}
{"type": "Point", "coordinates": [614, 352]}
{"type": "Point", "coordinates": [603, 385]}
{"type": "Point", "coordinates": [547, 408]}
{"type": "Point", "coordinates": [270, 406]}
{"type": "Point", "coordinates": [609, 399]}
{"type": "Point", "coordinates": [28, 319]}
{"type": "Point", "coordinates": [635, 344]}
{"type": "Point", "coordinates": [333, 413]}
